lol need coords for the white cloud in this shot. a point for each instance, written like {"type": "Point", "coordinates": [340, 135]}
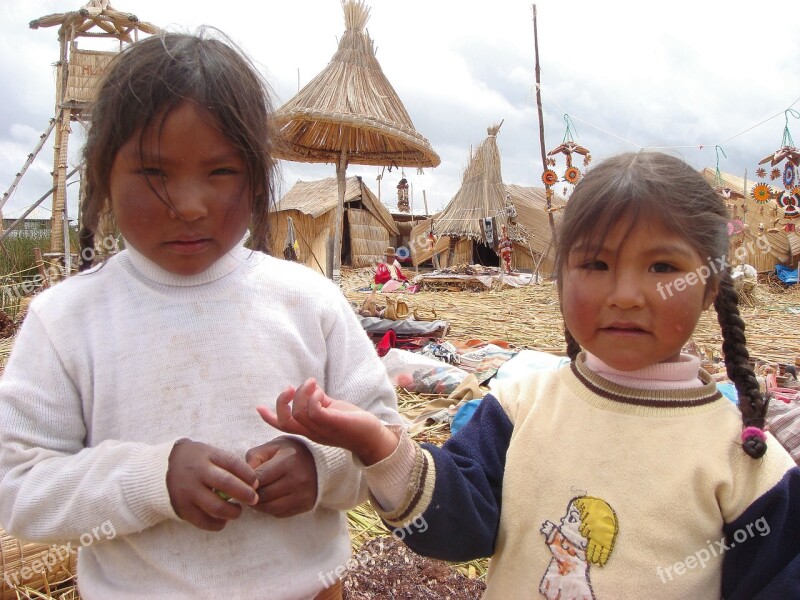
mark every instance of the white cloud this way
{"type": "Point", "coordinates": [683, 74]}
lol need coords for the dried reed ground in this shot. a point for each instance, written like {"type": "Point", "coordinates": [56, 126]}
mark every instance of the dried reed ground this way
{"type": "Point", "coordinates": [529, 318]}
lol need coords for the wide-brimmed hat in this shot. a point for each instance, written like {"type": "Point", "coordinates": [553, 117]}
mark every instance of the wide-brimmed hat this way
{"type": "Point", "coordinates": [389, 252]}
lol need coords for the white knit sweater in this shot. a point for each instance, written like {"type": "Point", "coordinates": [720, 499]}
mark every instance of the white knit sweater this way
{"type": "Point", "coordinates": [111, 367]}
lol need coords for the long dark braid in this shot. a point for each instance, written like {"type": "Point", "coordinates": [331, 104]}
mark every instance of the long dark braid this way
{"type": "Point", "coordinates": [752, 402]}
{"type": "Point", "coordinates": [573, 347]}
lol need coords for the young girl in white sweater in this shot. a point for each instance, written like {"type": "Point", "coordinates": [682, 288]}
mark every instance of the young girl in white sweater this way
{"type": "Point", "coordinates": [625, 474]}
{"type": "Point", "coordinates": [129, 399]}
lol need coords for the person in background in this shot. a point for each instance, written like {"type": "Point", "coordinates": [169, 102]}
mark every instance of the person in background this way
{"type": "Point", "coordinates": [670, 490]}
{"type": "Point", "coordinates": [388, 276]}
{"type": "Point", "coordinates": [129, 397]}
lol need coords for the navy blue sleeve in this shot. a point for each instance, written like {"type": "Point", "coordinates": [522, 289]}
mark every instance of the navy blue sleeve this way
{"type": "Point", "coordinates": [464, 513]}
{"type": "Point", "coordinates": [762, 560]}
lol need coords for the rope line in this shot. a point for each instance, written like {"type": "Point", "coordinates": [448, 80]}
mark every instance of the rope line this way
{"type": "Point", "coordinates": [785, 113]}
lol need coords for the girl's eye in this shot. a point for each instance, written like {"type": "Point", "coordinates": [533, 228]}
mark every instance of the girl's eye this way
{"type": "Point", "coordinates": [594, 265]}
{"type": "Point", "coordinates": [224, 171]}
{"type": "Point", "coordinates": [662, 268]}
{"type": "Point", "coordinates": [152, 172]}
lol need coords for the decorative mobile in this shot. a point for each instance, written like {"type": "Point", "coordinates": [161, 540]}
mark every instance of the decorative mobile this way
{"type": "Point", "coordinates": [402, 195]}
{"type": "Point", "coordinates": [568, 147]}
{"type": "Point", "coordinates": [736, 226]}
{"type": "Point", "coordinates": [789, 199]}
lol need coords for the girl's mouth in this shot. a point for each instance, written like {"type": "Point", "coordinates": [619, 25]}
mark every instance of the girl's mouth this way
{"type": "Point", "coordinates": [189, 246]}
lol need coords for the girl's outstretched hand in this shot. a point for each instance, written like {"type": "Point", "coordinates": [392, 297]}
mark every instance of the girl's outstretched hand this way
{"type": "Point", "coordinates": [309, 412]}
{"type": "Point", "coordinates": [200, 480]}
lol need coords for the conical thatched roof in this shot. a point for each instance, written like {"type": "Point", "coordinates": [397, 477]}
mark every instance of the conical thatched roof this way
{"type": "Point", "coordinates": [482, 194]}
{"type": "Point", "coordinates": [315, 198]}
{"type": "Point", "coordinates": [97, 13]}
{"type": "Point", "coordinates": [351, 104]}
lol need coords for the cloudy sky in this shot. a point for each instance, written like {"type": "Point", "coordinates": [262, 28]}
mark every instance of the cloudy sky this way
{"type": "Point", "coordinates": [710, 80]}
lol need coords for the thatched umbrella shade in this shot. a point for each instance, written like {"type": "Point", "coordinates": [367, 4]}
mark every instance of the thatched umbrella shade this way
{"type": "Point", "coordinates": [350, 113]}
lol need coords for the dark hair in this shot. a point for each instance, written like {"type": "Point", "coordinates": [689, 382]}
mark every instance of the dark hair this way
{"type": "Point", "coordinates": [152, 77]}
{"type": "Point", "coordinates": [626, 187]}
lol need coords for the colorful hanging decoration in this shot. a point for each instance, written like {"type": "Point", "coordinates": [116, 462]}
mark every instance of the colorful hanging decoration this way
{"type": "Point", "coordinates": [719, 184]}
{"type": "Point", "coordinates": [572, 175]}
{"type": "Point", "coordinates": [506, 246]}
{"type": "Point", "coordinates": [789, 199]}
{"type": "Point", "coordinates": [402, 195]}
{"type": "Point", "coordinates": [735, 227]}
{"type": "Point", "coordinates": [550, 177]}
{"type": "Point", "coordinates": [761, 193]}
{"type": "Point", "coordinates": [788, 176]}
{"type": "Point", "coordinates": [568, 147]}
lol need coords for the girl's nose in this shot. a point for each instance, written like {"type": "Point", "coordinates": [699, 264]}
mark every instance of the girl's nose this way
{"type": "Point", "coordinates": [189, 200]}
{"type": "Point", "coordinates": [628, 292]}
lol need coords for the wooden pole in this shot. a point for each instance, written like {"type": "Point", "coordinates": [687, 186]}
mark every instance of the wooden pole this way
{"type": "Point", "coordinates": [341, 169]}
{"type": "Point", "coordinates": [31, 157]}
{"type": "Point", "coordinates": [32, 208]}
{"type": "Point", "coordinates": [548, 191]}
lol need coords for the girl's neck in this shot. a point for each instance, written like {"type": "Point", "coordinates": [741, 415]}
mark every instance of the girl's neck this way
{"type": "Point", "coordinates": [680, 374]}
{"type": "Point", "coordinates": [226, 264]}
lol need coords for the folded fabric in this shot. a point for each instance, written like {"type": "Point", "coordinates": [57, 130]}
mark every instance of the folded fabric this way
{"type": "Point", "coordinates": [406, 327]}
{"type": "Point", "coordinates": [783, 421]}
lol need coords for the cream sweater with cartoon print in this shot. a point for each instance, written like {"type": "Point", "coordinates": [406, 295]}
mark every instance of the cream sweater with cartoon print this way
{"type": "Point", "coordinates": [579, 488]}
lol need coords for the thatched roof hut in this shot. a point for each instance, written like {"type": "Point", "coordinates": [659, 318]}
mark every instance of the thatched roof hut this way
{"type": "Point", "coordinates": [764, 242]}
{"type": "Point", "coordinates": [459, 228]}
{"type": "Point", "coordinates": [350, 114]}
{"type": "Point", "coordinates": [367, 231]}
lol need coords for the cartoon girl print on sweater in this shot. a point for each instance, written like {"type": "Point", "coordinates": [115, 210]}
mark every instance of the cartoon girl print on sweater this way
{"type": "Point", "coordinates": [586, 536]}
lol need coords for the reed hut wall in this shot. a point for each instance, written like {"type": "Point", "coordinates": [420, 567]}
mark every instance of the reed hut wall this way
{"type": "Point", "coordinates": [311, 235]}
{"type": "Point", "coordinates": [368, 238]}
{"type": "Point", "coordinates": [86, 69]}
{"type": "Point", "coordinates": [764, 242]}
{"type": "Point", "coordinates": [420, 247]}
{"type": "Point", "coordinates": [367, 224]}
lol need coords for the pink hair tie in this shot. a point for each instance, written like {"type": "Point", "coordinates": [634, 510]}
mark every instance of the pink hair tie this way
{"type": "Point", "coordinates": [753, 432]}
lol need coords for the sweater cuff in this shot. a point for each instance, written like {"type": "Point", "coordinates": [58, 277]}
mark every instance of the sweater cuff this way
{"type": "Point", "coordinates": [145, 488]}
{"type": "Point", "coordinates": [340, 485]}
{"type": "Point", "coordinates": [388, 479]}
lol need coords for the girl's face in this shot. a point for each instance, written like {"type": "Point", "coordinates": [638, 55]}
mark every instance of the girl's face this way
{"type": "Point", "coordinates": [182, 199]}
{"type": "Point", "coordinates": [571, 527]}
{"type": "Point", "coordinates": [637, 302]}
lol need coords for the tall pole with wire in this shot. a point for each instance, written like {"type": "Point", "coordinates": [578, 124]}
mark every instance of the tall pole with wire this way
{"type": "Point", "coordinates": [547, 189]}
